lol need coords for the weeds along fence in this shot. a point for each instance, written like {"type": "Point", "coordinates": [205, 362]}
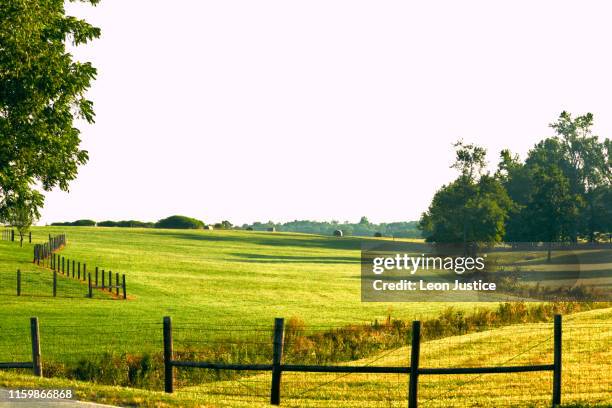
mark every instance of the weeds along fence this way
{"type": "Point", "coordinates": [206, 361]}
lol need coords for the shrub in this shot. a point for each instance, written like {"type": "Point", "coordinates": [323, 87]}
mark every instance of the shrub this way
{"type": "Point", "coordinates": [126, 224]}
{"type": "Point", "coordinates": [77, 223]}
{"type": "Point", "coordinates": [179, 222]}
{"type": "Point", "coordinates": [84, 223]}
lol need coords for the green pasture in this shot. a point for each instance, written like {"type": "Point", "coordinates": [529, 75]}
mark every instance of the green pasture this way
{"type": "Point", "coordinates": [213, 278]}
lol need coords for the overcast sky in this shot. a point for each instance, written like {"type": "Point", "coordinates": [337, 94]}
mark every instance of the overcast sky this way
{"type": "Point", "coordinates": [257, 110]}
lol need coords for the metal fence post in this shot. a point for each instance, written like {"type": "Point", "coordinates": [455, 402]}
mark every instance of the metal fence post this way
{"type": "Point", "coordinates": [54, 284]}
{"type": "Point", "coordinates": [277, 356]}
{"type": "Point", "coordinates": [36, 359]}
{"type": "Point", "coordinates": [168, 356]}
{"type": "Point", "coordinates": [414, 364]}
{"type": "Point", "coordinates": [89, 286]}
{"type": "Point", "coordinates": [556, 400]}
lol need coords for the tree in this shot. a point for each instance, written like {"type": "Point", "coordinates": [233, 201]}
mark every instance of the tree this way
{"type": "Point", "coordinates": [364, 220]}
{"type": "Point", "coordinates": [179, 222]}
{"type": "Point", "coordinates": [472, 209]}
{"type": "Point", "coordinates": [22, 212]}
{"type": "Point", "coordinates": [586, 164]}
{"type": "Point", "coordinates": [41, 94]}
{"type": "Point", "coordinates": [470, 159]}
{"type": "Point", "coordinates": [552, 209]}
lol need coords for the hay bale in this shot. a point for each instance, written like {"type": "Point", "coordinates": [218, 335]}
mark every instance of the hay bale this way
{"type": "Point", "coordinates": [208, 227]}
{"type": "Point", "coordinates": [338, 233]}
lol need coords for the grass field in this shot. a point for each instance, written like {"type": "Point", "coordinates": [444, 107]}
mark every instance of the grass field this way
{"type": "Point", "coordinates": [216, 277]}
{"type": "Point", "coordinates": [222, 279]}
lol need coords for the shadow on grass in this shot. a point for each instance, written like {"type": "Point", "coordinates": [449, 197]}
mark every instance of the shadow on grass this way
{"type": "Point", "coordinates": [258, 258]}
{"type": "Point", "coordinates": [272, 239]}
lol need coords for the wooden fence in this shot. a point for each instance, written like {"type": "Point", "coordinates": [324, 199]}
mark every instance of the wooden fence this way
{"type": "Point", "coordinates": [8, 234]}
{"type": "Point", "coordinates": [414, 371]}
{"type": "Point", "coordinates": [119, 288]}
{"type": "Point", "coordinates": [36, 363]}
{"type": "Point", "coordinates": [43, 252]}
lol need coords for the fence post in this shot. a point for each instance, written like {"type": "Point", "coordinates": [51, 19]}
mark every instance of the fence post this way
{"type": "Point", "coordinates": [18, 282]}
{"type": "Point", "coordinates": [13, 235]}
{"type": "Point", "coordinates": [96, 276]}
{"type": "Point", "coordinates": [73, 262]}
{"type": "Point", "coordinates": [277, 356]}
{"type": "Point", "coordinates": [414, 364]}
{"type": "Point", "coordinates": [84, 271]}
{"type": "Point", "coordinates": [124, 289]}
{"type": "Point", "coordinates": [36, 360]}
{"type": "Point", "coordinates": [89, 285]}
{"type": "Point", "coordinates": [168, 356]}
{"type": "Point", "coordinates": [30, 237]}
{"type": "Point", "coordinates": [117, 284]}
{"type": "Point", "coordinates": [54, 284]}
{"type": "Point", "coordinates": [79, 269]}
{"type": "Point", "coordinates": [557, 362]}
{"type": "Point", "coordinates": [103, 278]}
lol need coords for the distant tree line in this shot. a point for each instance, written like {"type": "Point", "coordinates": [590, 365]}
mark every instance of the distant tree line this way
{"type": "Point", "coordinates": [364, 227]}
{"type": "Point", "coordinates": [174, 222]}
{"type": "Point", "coordinates": [561, 192]}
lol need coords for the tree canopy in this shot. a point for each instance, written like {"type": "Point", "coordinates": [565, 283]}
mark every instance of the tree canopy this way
{"type": "Point", "coordinates": [42, 94]}
{"type": "Point", "coordinates": [560, 192]}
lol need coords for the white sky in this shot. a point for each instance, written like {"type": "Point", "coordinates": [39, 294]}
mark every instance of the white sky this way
{"type": "Point", "coordinates": [257, 110]}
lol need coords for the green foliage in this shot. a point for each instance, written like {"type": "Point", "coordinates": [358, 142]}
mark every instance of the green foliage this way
{"type": "Point", "coordinates": [562, 190]}
{"type": "Point", "coordinates": [126, 224]}
{"type": "Point", "coordinates": [363, 228]}
{"type": "Point", "coordinates": [42, 92]}
{"type": "Point", "coordinates": [472, 208]}
{"type": "Point", "coordinates": [21, 211]}
{"type": "Point", "coordinates": [225, 225]}
{"type": "Point", "coordinates": [77, 223]}
{"type": "Point", "coordinates": [179, 222]}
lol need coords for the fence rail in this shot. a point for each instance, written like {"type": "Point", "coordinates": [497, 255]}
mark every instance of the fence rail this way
{"type": "Point", "coordinates": [505, 365]}
{"type": "Point", "coordinates": [413, 370]}
{"type": "Point", "coordinates": [36, 363]}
